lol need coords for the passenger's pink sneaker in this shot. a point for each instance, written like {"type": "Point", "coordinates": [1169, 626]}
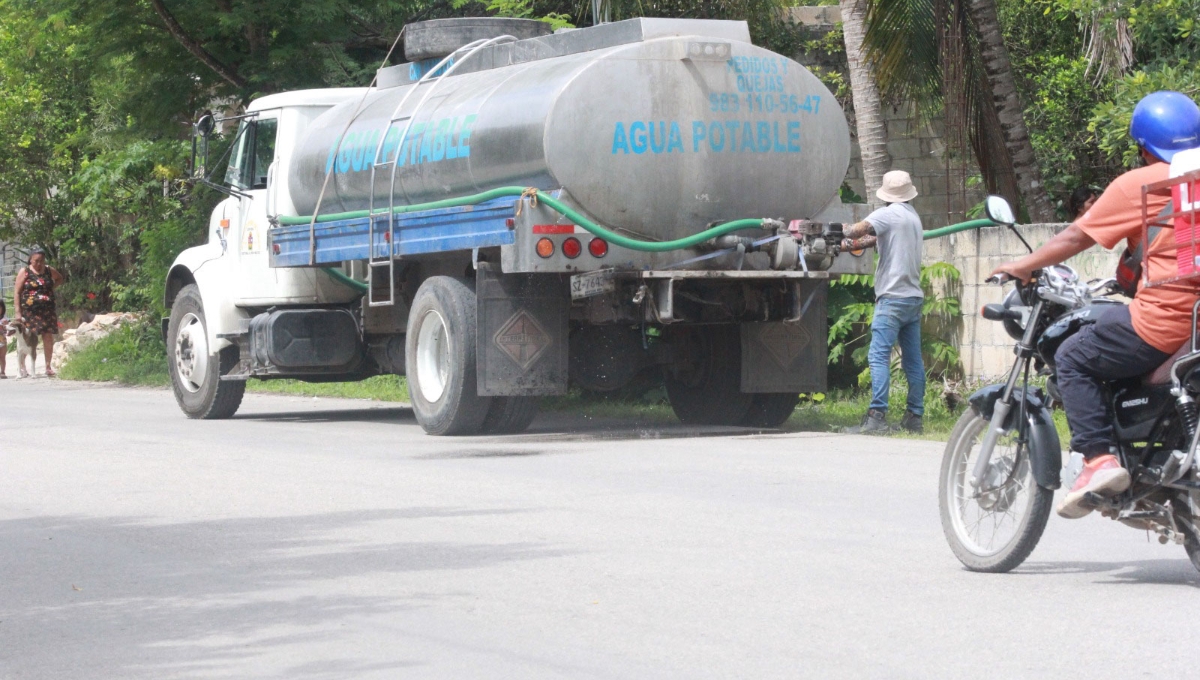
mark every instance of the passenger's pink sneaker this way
{"type": "Point", "coordinates": [1103, 476]}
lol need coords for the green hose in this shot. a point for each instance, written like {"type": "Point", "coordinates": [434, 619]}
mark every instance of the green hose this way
{"type": "Point", "coordinates": [606, 234]}
{"type": "Point", "coordinates": [961, 226]}
{"type": "Point", "coordinates": [337, 275]}
{"type": "Point", "coordinates": [577, 218]}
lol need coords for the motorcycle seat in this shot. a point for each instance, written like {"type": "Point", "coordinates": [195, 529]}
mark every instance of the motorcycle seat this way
{"type": "Point", "coordinates": [1162, 374]}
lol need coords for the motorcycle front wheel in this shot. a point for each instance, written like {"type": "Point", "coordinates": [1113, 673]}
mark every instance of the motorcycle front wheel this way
{"type": "Point", "coordinates": [994, 527]}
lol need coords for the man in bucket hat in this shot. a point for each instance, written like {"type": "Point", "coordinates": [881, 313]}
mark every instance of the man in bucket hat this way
{"type": "Point", "coordinates": [896, 231]}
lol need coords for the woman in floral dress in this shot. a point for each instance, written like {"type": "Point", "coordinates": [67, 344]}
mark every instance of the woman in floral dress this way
{"type": "Point", "coordinates": [35, 302]}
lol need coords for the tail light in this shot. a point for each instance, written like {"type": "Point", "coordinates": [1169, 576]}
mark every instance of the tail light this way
{"type": "Point", "coordinates": [598, 247]}
{"type": "Point", "coordinates": [572, 248]}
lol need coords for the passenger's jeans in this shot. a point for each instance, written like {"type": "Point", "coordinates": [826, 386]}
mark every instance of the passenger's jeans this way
{"type": "Point", "coordinates": [897, 319]}
{"type": "Point", "coordinates": [1108, 350]}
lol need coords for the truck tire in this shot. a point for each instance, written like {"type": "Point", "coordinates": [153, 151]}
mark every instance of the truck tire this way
{"type": "Point", "coordinates": [771, 410]}
{"type": "Point", "coordinates": [195, 373]}
{"type": "Point", "coordinates": [704, 382]}
{"type": "Point", "coordinates": [440, 358]}
{"type": "Point", "coordinates": [510, 415]}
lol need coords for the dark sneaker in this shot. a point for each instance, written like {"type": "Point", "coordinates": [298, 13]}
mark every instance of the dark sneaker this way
{"type": "Point", "coordinates": [874, 422]}
{"type": "Point", "coordinates": [1103, 476]}
{"type": "Point", "coordinates": [912, 423]}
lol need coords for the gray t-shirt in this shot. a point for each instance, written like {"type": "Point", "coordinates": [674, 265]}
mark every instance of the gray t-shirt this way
{"type": "Point", "coordinates": [898, 228]}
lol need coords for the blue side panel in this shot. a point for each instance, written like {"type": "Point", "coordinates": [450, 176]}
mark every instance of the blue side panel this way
{"type": "Point", "coordinates": [429, 231]}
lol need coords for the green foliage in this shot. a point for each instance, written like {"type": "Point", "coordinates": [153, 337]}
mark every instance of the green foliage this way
{"type": "Point", "coordinates": [829, 51]}
{"type": "Point", "coordinates": [1047, 45]}
{"type": "Point", "coordinates": [844, 408]}
{"type": "Point", "coordinates": [1166, 56]}
{"type": "Point", "coordinates": [940, 319]}
{"type": "Point", "coordinates": [518, 9]}
{"type": "Point", "coordinates": [130, 355]}
{"type": "Point", "coordinates": [1110, 119]}
{"type": "Point", "coordinates": [377, 388]}
{"type": "Point", "coordinates": [851, 308]}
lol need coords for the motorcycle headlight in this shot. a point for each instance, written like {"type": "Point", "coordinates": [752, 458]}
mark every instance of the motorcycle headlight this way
{"type": "Point", "coordinates": [1014, 328]}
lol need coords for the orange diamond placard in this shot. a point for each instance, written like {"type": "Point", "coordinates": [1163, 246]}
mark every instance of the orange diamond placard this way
{"type": "Point", "coordinates": [522, 339]}
{"type": "Point", "coordinates": [783, 344]}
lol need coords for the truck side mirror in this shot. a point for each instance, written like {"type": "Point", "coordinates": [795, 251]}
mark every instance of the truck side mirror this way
{"type": "Point", "coordinates": [201, 131]}
{"type": "Point", "coordinates": [204, 126]}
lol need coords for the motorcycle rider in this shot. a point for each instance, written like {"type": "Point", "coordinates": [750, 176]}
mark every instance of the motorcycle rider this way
{"type": "Point", "coordinates": [1127, 341]}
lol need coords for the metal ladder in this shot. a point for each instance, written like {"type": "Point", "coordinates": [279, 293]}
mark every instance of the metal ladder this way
{"type": "Point", "coordinates": [432, 76]}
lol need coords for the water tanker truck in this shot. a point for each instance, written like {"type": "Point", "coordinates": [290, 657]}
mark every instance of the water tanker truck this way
{"type": "Point", "coordinates": [513, 212]}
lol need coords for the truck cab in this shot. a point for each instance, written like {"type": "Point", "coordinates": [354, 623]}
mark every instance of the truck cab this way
{"type": "Point", "coordinates": [232, 270]}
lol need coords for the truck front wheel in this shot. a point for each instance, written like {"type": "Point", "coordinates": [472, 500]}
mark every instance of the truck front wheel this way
{"type": "Point", "coordinates": [440, 358]}
{"type": "Point", "coordinates": [196, 372]}
{"type": "Point", "coordinates": [704, 380]}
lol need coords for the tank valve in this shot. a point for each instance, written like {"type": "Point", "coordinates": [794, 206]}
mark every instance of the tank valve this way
{"type": "Point", "coordinates": [816, 242]}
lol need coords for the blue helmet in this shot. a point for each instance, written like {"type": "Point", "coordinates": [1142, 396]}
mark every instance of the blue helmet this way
{"type": "Point", "coordinates": [1166, 122]}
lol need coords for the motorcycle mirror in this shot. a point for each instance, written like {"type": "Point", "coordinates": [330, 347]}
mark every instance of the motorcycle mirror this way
{"type": "Point", "coordinates": [999, 211]}
{"type": "Point", "coordinates": [206, 124]}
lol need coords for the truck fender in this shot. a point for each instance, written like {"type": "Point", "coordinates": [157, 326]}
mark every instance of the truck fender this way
{"type": "Point", "coordinates": [1045, 451]}
{"type": "Point", "coordinates": [196, 265]}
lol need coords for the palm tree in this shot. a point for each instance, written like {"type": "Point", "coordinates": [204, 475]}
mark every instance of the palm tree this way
{"type": "Point", "coordinates": [949, 58]}
{"type": "Point", "coordinates": [1008, 108]}
{"type": "Point", "coordinates": [868, 107]}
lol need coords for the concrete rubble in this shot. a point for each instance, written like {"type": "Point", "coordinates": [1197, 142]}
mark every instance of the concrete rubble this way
{"type": "Point", "coordinates": [75, 338]}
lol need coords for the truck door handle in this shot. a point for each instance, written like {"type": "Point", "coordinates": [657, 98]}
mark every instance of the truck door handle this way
{"type": "Point", "coordinates": [271, 189]}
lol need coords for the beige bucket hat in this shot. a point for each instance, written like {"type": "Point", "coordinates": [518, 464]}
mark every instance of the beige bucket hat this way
{"type": "Point", "coordinates": [897, 187]}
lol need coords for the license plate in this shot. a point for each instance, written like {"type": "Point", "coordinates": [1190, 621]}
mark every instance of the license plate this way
{"type": "Point", "coordinates": [592, 283]}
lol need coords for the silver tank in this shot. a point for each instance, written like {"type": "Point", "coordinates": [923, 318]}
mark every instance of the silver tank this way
{"type": "Point", "coordinates": [658, 137]}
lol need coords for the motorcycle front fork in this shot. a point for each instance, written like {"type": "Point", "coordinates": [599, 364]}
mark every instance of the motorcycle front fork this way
{"type": "Point", "coordinates": [1000, 414]}
{"type": "Point", "coordinates": [1004, 405]}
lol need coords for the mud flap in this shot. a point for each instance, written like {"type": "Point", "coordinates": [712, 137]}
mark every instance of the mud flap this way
{"type": "Point", "coordinates": [521, 347]}
{"type": "Point", "coordinates": [788, 356]}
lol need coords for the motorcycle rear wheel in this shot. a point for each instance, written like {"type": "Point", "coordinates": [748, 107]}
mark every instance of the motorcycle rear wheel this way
{"type": "Point", "coordinates": [1191, 535]}
{"type": "Point", "coordinates": [996, 530]}
{"type": "Point", "coordinates": [1192, 546]}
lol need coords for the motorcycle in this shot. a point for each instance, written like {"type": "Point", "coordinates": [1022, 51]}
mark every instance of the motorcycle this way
{"type": "Point", "coordinates": [1004, 461]}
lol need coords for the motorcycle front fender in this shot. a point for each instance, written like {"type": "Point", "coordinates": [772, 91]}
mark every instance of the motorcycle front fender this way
{"type": "Point", "coordinates": [1045, 451]}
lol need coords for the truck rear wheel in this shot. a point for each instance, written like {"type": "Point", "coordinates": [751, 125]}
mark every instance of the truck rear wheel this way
{"type": "Point", "coordinates": [440, 358]}
{"type": "Point", "coordinates": [704, 381]}
{"type": "Point", "coordinates": [771, 410]}
{"type": "Point", "coordinates": [510, 415]}
{"type": "Point", "coordinates": [195, 372]}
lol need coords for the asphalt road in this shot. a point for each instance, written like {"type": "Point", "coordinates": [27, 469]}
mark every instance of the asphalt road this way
{"type": "Point", "coordinates": [332, 539]}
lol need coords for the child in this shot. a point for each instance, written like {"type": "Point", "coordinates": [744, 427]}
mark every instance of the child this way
{"type": "Point", "coordinates": [5, 331]}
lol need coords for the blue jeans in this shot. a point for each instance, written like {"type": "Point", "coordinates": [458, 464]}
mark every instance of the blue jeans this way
{"type": "Point", "coordinates": [897, 319]}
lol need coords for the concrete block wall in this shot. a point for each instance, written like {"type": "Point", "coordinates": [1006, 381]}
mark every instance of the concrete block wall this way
{"type": "Point", "coordinates": [985, 348]}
